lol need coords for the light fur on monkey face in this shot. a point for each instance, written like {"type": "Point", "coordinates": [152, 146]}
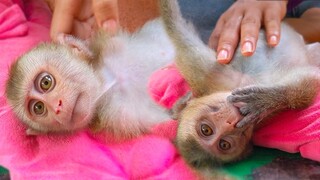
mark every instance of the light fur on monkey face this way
{"type": "Point", "coordinates": [53, 91]}
{"type": "Point", "coordinates": [208, 124]}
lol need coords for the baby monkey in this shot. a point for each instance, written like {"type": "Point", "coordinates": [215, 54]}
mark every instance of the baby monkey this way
{"type": "Point", "coordinates": [229, 101]}
{"type": "Point", "coordinates": [66, 86]}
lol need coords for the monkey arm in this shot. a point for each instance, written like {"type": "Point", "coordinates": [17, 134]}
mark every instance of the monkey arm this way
{"type": "Point", "coordinates": [259, 102]}
{"type": "Point", "coordinates": [194, 59]}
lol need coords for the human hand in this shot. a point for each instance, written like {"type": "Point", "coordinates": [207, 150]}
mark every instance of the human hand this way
{"type": "Point", "coordinates": [242, 21]}
{"type": "Point", "coordinates": [80, 17]}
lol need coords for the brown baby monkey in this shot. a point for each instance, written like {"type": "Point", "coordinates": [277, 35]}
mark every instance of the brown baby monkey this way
{"type": "Point", "coordinates": [66, 86]}
{"type": "Point", "coordinates": [229, 101]}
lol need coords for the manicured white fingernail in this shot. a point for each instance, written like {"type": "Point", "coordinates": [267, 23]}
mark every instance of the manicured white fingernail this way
{"type": "Point", "coordinates": [247, 48]}
{"type": "Point", "coordinates": [222, 56]}
{"type": "Point", "coordinates": [273, 40]}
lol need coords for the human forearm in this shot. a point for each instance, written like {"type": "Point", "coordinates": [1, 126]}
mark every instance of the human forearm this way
{"type": "Point", "coordinates": [308, 25]}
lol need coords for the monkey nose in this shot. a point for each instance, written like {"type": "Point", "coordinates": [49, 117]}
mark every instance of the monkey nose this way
{"type": "Point", "coordinates": [59, 107]}
{"type": "Point", "coordinates": [234, 116]}
{"type": "Point", "coordinates": [231, 122]}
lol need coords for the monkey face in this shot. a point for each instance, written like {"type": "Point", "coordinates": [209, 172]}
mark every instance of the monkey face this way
{"type": "Point", "coordinates": [207, 129]}
{"type": "Point", "coordinates": [51, 90]}
{"type": "Point", "coordinates": [57, 103]}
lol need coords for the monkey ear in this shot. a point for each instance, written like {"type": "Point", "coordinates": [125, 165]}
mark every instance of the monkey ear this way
{"type": "Point", "coordinates": [79, 47]}
{"type": "Point", "coordinates": [32, 132]}
{"type": "Point", "coordinates": [180, 105]}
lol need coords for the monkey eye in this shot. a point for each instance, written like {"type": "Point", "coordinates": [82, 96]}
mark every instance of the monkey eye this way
{"type": "Point", "coordinates": [45, 82]}
{"type": "Point", "coordinates": [37, 108]}
{"type": "Point", "coordinates": [206, 130]}
{"type": "Point", "coordinates": [224, 145]}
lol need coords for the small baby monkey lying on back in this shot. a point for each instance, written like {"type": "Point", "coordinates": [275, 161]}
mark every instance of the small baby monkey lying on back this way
{"type": "Point", "coordinates": [66, 86]}
{"type": "Point", "coordinates": [229, 101]}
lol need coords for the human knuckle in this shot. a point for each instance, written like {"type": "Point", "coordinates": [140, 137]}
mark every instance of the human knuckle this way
{"type": "Point", "coordinates": [215, 35]}
{"type": "Point", "coordinates": [98, 4]}
{"type": "Point", "coordinates": [250, 21]}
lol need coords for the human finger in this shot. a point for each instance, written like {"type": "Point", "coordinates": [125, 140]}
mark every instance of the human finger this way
{"type": "Point", "coordinates": [228, 40]}
{"type": "Point", "coordinates": [272, 23]}
{"type": "Point", "coordinates": [106, 14]}
{"type": "Point", "coordinates": [250, 27]}
{"type": "Point", "coordinates": [83, 30]}
{"type": "Point", "coordinates": [63, 17]}
{"type": "Point", "coordinates": [215, 35]}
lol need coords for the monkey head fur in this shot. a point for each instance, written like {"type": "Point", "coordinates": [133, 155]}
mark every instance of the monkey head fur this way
{"type": "Point", "coordinates": [51, 89]}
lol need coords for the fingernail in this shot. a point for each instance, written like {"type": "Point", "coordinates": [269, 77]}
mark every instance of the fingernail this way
{"type": "Point", "coordinates": [110, 26]}
{"type": "Point", "coordinates": [247, 48]}
{"type": "Point", "coordinates": [222, 56]}
{"type": "Point", "coordinates": [273, 40]}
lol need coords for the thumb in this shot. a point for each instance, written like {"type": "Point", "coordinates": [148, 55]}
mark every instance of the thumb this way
{"type": "Point", "coordinates": [106, 14]}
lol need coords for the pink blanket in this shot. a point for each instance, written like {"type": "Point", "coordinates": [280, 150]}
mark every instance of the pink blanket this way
{"type": "Point", "coordinates": [291, 131]}
{"type": "Point", "coordinates": [81, 155]}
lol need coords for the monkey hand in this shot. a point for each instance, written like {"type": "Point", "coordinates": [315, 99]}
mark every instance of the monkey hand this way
{"type": "Point", "coordinates": [256, 103]}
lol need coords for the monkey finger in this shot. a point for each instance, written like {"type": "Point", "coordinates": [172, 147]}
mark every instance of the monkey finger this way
{"type": "Point", "coordinates": [250, 27]}
{"type": "Point", "coordinates": [250, 90]}
{"type": "Point", "coordinates": [106, 14]}
{"type": "Point", "coordinates": [239, 104]}
{"type": "Point", "coordinates": [239, 98]}
{"type": "Point", "coordinates": [63, 17]}
{"type": "Point", "coordinates": [242, 123]}
{"type": "Point", "coordinates": [248, 119]}
{"type": "Point", "coordinates": [243, 91]}
{"type": "Point", "coordinates": [244, 110]}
